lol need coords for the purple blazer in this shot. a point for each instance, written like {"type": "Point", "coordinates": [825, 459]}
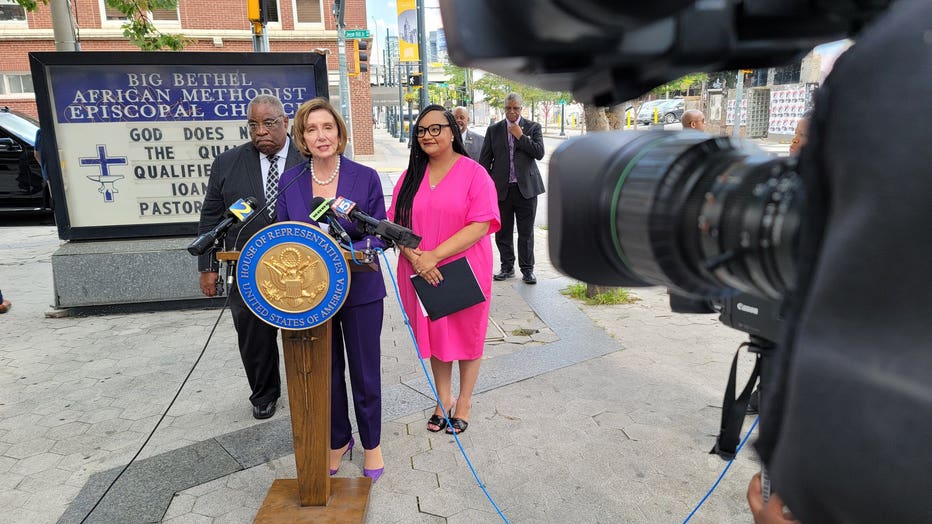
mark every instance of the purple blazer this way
{"type": "Point", "coordinates": [358, 183]}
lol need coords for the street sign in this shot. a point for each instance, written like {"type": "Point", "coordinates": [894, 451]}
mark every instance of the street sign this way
{"type": "Point", "coordinates": [356, 33]}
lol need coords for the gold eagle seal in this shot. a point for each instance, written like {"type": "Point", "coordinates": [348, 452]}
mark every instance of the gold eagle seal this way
{"type": "Point", "coordinates": [292, 277]}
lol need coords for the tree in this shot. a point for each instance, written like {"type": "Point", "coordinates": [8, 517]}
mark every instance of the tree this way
{"type": "Point", "coordinates": [455, 75]}
{"type": "Point", "coordinates": [496, 88]}
{"type": "Point", "coordinates": [138, 28]}
{"type": "Point", "coordinates": [547, 100]}
{"type": "Point", "coordinates": [681, 86]}
{"type": "Point", "coordinates": [596, 121]}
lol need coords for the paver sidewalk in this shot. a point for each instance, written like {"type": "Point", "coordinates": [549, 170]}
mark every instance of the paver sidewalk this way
{"type": "Point", "coordinates": [600, 414]}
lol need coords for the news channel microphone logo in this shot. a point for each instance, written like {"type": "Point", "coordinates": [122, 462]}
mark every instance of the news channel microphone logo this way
{"type": "Point", "coordinates": [292, 276]}
{"type": "Point", "coordinates": [342, 207]}
{"type": "Point", "coordinates": [241, 210]}
{"type": "Point", "coordinates": [321, 210]}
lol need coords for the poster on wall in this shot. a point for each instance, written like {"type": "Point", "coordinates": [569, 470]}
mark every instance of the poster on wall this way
{"type": "Point", "coordinates": [135, 134]}
{"type": "Point", "coordinates": [730, 114]}
{"type": "Point", "coordinates": [787, 106]}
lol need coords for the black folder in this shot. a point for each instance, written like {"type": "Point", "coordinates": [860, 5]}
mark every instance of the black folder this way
{"type": "Point", "coordinates": [458, 290]}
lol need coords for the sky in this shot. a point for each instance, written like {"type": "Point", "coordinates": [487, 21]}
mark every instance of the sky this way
{"type": "Point", "coordinates": [384, 13]}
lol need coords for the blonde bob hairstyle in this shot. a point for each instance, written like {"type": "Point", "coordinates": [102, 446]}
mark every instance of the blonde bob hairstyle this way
{"type": "Point", "coordinates": [301, 116]}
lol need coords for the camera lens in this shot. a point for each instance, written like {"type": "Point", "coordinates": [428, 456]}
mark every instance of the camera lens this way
{"type": "Point", "coordinates": [701, 215]}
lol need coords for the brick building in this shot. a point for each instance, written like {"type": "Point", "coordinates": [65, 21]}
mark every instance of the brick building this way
{"type": "Point", "coordinates": [213, 25]}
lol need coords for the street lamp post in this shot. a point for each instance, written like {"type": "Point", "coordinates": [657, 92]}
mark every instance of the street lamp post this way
{"type": "Point", "coordinates": [388, 78]}
{"type": "Point", "coordinates": [422, 51]}
{"type": "Point", "coordinates": [401, 107]}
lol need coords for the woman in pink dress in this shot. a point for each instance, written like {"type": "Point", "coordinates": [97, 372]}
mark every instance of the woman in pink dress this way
{"type": "Point", "coordinates": [450, 201]}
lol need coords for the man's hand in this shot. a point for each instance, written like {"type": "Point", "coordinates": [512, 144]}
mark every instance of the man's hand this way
{"type": "Point", "coordinates": [209, 283]}
{"type": "Point", "coordinates": [515, 130]}
{"type": "Point", "coordinates": [770, 512]}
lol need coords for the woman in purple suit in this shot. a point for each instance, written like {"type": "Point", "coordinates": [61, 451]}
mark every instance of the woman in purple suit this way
{"type": "Point", "coordinates": [320, 134]}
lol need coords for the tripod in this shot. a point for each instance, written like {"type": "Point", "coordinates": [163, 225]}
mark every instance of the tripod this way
{"type": "Point", "coordinates": [734, 408]}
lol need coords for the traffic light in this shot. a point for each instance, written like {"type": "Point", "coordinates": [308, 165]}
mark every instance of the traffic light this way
{"type": "Point", "coordinates": [361, 52]}
{"type": "Point", "coordinates": [255, 11]}
{"type": "Point", "coordinates": [414, 79]}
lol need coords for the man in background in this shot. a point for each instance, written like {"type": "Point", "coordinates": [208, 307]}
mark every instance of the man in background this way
{"type": "Point", "coordinates": [472, 140]}
{"type": "Point", "coordinates": [510, 153]}
{"type": "Point", "coordinates": [693, 119]}
{"type": "Point", "coordinates": [251, 169]}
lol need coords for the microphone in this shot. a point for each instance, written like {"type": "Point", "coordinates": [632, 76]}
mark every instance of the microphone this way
{"type": "Point", "coordinates": [238, 212]}
{"type": "Point", "coordinates": [320, 207]}
{"type": "Point", "coordinates": [390, 231]}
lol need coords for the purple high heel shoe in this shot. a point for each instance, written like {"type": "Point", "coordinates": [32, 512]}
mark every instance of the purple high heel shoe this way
{"type": "Point", "coordinates": [349, 449]}
{"type": "Point", "coordinates": [373, 474]}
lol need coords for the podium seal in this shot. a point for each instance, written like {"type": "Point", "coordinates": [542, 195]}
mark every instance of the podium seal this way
{"type": "Point", "coordinates": [292, 276]}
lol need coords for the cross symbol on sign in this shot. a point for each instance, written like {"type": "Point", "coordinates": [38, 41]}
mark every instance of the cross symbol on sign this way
{"type": "Point", "coordinates": [105, 179]}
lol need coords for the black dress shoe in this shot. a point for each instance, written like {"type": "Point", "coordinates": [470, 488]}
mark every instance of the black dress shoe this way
{"type": "Point", "coordinates": [264, 411]}
{"type": "Point", "coordinates": [503, 274]}
{"type": "Point", "coordinates": [529, 277]}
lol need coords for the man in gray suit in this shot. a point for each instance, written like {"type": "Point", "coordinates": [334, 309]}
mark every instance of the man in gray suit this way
{"type": "Point", "coordinates": [510, 153]}
{"type": "Point", "coordinates": [251, 169]}
{"type": "Point", "coordinates": [472, 140]}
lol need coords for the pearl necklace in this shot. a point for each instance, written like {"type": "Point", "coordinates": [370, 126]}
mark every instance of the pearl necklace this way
{"type": "Point", "coordinates": [336, 172]}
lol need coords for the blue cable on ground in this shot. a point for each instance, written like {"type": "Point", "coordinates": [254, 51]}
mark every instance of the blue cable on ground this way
{"type": "Point", "coordinates": [727, 466]}
{"type": "Point", "coordinates": [434, 389]}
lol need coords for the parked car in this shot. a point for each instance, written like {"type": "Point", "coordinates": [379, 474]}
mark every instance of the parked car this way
{"type": "Point", "coordinates": [22, 188]}
{"type": "Point", "coordinates": [645, 113]}
{"type": "Point", "coordinates": [672, 111]}
{"type": "Point", "coordinates": [669, 110]}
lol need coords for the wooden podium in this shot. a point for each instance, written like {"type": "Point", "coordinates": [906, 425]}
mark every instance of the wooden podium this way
{"type": "Point", "coordinates": [314, 496]}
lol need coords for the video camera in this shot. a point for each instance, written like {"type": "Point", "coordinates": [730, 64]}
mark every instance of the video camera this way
{"type": "Point", "coordinates": [850, 407]}
{"type": "Point", "coordinates": [704, 216]}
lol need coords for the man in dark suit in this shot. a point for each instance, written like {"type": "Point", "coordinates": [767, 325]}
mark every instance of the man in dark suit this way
{"type": "Point", "coordinates": [510, 153]}
{"type": "Point", "coordinates": [472, 140]}
{"type": "Point", "coordinates": [251, 169]}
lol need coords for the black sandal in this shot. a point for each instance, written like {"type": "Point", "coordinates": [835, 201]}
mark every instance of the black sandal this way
{"type": "Point", "coordinates": [457, 424]}
{"type": "Point", "coordinates": [436, 420]}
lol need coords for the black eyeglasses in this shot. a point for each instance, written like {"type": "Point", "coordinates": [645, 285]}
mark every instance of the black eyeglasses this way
{"type": "Point", "coordinates": [434, 129]}
{"type": "Point", "coordinates": [269, 125]}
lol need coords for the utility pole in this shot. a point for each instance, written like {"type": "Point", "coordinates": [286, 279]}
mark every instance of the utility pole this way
{"type": "Point", "coordinates": [255, 11]}
{"type": "Point", "coordinates": [472, 103]}
{"type": "Point", "coordinates": [63, 27]}
{"type": "Point", "coordinates": [387, 68]}
{"type": "Point", "coordinates": [422, 51]}
{"type": "Point", "coordinates": [388, 59]}
{"type": "Point", "coordinates": [401, 107]}
{"type": "Point", "coordinates": [260, 38]}
{"type": "Point", "coordinates": [410, 109]}
{"type": "Point", "coordinates": [339, 6]}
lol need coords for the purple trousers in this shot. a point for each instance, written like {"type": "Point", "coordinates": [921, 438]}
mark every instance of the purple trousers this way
{"type": "Point", "coordinates": [357, 331]}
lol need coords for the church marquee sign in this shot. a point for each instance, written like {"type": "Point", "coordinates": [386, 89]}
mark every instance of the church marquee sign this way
{"type": "Point", "coordinates": [135, 133]}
